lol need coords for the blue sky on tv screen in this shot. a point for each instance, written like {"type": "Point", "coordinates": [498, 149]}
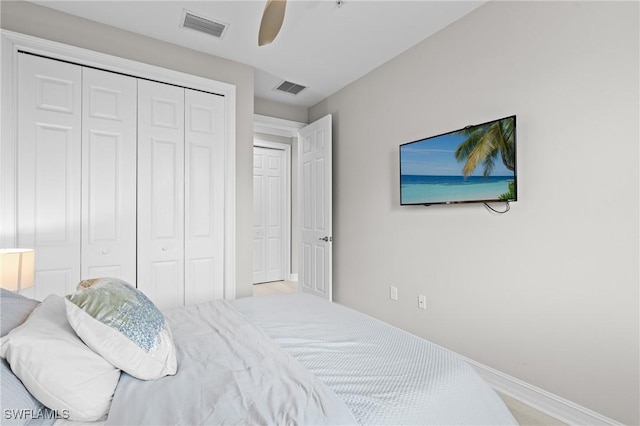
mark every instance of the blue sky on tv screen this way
{"type": "Point", "coordinates": [435, 157]}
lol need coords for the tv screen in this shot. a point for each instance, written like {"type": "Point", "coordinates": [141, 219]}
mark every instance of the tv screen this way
{"type": "Point", "coordinates": [476, 164]}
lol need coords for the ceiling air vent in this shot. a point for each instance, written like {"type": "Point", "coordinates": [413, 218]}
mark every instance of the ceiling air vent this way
{"type": "Point", "coordinates": [204, 25]}
{"type": "Point", "coordinates": [289, 87]}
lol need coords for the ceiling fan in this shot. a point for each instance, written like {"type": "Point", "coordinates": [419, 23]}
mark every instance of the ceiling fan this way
{"type": "Point", "coordinates": [272, 19]}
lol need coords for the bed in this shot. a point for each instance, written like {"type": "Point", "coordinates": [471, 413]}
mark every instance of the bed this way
{"type": "Point", "coordinates": [269, 360]}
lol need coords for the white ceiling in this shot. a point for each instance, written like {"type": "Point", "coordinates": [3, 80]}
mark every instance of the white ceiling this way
{"type": "Point", "coordinates": [321, 45]}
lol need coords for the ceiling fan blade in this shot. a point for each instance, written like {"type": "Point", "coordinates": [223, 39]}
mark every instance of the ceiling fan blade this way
{"type": "Point", "coordinates": [272, 19]}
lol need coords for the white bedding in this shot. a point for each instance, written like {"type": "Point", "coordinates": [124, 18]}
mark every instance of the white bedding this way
{"type": "Point", "coordinates": [229, 372]}
{"type": "Point", "coordinates": [297, 359]}
{"type": "Point", "coordinates": [383, 374]}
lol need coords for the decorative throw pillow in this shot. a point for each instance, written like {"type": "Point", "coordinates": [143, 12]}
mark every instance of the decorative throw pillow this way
{"type": "Point", "coordinates": [87, 283]}
{"type": "Point", "coordinates": [120, 323]}
{"type": "Point", "coordinates": [56, 367]}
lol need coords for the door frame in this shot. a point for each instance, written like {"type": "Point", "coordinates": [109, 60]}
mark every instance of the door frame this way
{"type": "Point", "coordinates": [259, 143]}
{"type": "Point", "coordinates": [285, 128]}
{"type": "Point", "coordinates": [12, 43]}
{"type": "Point", "coordinates": [277, 126]}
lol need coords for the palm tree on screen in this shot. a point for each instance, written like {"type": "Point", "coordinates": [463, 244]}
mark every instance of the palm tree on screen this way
{"type": "Point", "coordinates": [485, 143]}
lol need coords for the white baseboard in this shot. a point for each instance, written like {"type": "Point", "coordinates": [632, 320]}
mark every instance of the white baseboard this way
{"type": "Point", "coordinates": [292, 277]}
{"type": "Point", "coordinates": [546, 402]}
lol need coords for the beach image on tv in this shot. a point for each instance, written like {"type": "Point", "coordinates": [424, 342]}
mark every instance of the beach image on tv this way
{"type": "Point", "coordinates": [472, 164]}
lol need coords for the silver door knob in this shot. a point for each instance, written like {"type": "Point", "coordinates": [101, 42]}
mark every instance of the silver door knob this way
{"type": "Point", "coordinates": [325, 239]}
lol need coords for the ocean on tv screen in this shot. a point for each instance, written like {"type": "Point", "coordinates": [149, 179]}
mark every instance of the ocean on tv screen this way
{"type": "Point", "coordinates": [418, 189]}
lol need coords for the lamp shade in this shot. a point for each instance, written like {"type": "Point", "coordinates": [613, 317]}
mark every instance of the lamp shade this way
{"type": "Point", "coordinates": [16, 268]}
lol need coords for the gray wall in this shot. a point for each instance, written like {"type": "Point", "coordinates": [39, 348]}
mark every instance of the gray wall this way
{"type": "Point", "coordinates": [28, 18]}
{"type": "Point", "coordinates": [547, 293]}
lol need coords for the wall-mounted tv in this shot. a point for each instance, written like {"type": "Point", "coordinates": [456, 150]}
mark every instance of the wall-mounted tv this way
{"type": "Point", "coordinates": [475, 164]}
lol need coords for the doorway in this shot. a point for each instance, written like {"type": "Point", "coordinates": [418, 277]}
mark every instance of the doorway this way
{"type": "Point", "coordinates": [271, 211]}
{"type": "Point", "coordinates": [310, 254]}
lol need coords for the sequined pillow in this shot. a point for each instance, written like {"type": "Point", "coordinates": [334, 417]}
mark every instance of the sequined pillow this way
{"type": "Point", "coordinates": [121, 324]}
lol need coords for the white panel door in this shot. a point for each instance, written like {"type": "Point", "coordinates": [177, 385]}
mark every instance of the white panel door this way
{"type": "Point", "coordinates": [269, 214]}
{"type": "Point", "coordinates": [49, 128]}
{"type": "Point", "coordinates": [161, 193]}
{"type": "Point", "coordinates": [315, 169]}
{"type": "Point", "coordinates": [204, 196]}
{"type": "Point", "coordinates": [259, 207]}
{"type": "Point", "coordinates": [109, 130]}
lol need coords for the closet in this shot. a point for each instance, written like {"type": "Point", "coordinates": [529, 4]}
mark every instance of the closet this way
{"type": "Point", "coordinates": [120, 176]}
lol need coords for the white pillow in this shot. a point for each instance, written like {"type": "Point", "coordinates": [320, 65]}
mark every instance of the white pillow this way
{"type": "Point", "coordinates": [120, 323]}
{"type": "Point", "coordinates": [56, 367]}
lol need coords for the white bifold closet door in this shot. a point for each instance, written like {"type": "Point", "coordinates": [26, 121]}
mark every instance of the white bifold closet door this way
{"type": "Point", "coordinates": [180, 193]}
{"type": "Point", "coordinates": [120, 176]}
{"type": "Point", "coordinates": [161, 193]}
{"type": "Point", "coordinates": [204, 196]}
{"type": "Point", "coordinates": [109, 110]}
{"type": "Point", "coordinates": [48, 170]}
{"type": "Point", "coordinates": [76, 172]}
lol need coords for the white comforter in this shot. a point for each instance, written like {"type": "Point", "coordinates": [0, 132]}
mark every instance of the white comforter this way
{"type": "Point", "coordinates": [229, 372]}
{"type": "Point", "coordinates": [384, 375]}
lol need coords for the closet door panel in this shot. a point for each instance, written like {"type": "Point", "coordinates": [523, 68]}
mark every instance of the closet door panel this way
{"type": "Point", "coordinates": [204, 196]}
{"type": "Point", "coordinates": [269, 188]}
{"type": "Point", "coordinates": [48, 169]}
{"type": "Point", "coordinates": [275, 215]}
{"type": "Point", "coordinates": [109, 175]}
{"type": "Point", "coordinates": [161, 193]}
{"type": "Point", "coordinates": [260, 254]}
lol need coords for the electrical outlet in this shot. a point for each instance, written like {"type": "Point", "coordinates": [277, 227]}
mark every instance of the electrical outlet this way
{"type": "Point", "coordinates": [394, 293]}
{"type": "Point", "coordinates": [422, 302]}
